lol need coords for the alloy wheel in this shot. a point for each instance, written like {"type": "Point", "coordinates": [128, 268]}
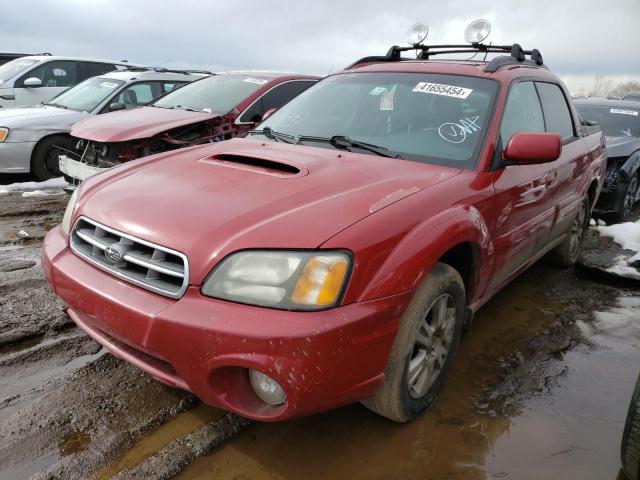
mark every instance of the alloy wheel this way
{"type": "Point", "coordinates": [433, 342]}
{"type": "Point", "coordinates": [630, 197]}
{"type": "Point", "coordinates": [577, 231]}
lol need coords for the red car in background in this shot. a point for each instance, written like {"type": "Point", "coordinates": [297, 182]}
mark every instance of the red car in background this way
{"type": "Point", "coordinates": [338, 252]}
{"type": "Point", "coordinates": [215, 108]}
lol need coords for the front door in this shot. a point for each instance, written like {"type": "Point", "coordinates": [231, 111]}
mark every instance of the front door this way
{"type": "Point", "coordinates": [524, 193]}
{"type": "Point", "coordinates": [55, 76]}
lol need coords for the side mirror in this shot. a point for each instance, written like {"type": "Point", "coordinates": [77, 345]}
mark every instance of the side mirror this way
{"type": "Point", "coordinates": [32, 82]}
{"type": "Point", "coordinates": [267, 114]}
{"type": "Point", "coordinates": [532, 148]}
{"type": "Point", "coordinates": [114, 107]}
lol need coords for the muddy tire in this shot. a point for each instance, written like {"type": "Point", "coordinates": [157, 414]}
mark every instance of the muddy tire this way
{"type": "Point", "coordinates": [44, 159]}
{"type": "Point", "coordinates": [422, 353]}
{"type": "Point", "coordinates": [630, 451]}
{"type": "Point", "coordinates": [566, 254]}
{"type": "Point", "coordinates": [629, 194]}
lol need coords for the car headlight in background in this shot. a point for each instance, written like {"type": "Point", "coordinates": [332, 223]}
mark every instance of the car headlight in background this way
{"type": "Point", "coordinates": [291, 280]}
{"type": "Point", "coordinates": [4, 133]}
{"type": "Point", "coordinates": [65, 225]}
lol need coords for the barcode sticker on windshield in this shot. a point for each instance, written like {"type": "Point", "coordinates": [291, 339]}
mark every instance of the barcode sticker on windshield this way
{"type": "Point", "coordinates": [259, 81]}
{"type": "Point", "coordinates": [624, 112]}
{"type": "Point", "coordinates": [108, 85]}
{"type": "Point", "coordinates": [440, 89]}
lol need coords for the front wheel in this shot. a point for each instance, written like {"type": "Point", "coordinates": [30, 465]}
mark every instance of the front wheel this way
{"type": "Point", "coordinates": [630, 194]}
{"type": "Point", "coordinates": [427, 340]}
{"type": "Point", "coordinates": [44, 160]}
{"type": "Point", "coordinates": [566, 254]}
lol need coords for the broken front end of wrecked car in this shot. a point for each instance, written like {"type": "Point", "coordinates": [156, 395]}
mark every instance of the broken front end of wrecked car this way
{"type": "Point", "coordinates": [207, 111]}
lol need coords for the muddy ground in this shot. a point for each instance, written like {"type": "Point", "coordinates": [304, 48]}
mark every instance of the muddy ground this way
{"type": "Point", "coordinates": [539, 389]}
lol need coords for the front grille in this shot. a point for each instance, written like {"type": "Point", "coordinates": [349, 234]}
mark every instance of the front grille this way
{"type": "Point", "coordinates": [142, 263]}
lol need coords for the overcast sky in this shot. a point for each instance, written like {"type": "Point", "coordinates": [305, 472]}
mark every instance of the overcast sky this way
{"type": "Point", "coordinates": [578, 38]}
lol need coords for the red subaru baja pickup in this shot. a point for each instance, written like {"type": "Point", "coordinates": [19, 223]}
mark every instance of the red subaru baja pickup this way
{"type": "Point", "coordinates": [339, 251]}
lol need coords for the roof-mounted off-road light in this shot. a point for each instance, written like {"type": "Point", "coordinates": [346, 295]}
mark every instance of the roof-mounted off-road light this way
{"type": "Point", "coordinates": [477, 31]}
{"type": "Point", "coordinates": [417, 33]}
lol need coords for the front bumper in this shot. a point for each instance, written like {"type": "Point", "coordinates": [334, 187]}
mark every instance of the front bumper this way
{"type": "Point", "coordinates": [15, 157]}
{"type": "Point", "coordinates": [77, 170]}
{"type": "Point", "coordinates": [321, 359]}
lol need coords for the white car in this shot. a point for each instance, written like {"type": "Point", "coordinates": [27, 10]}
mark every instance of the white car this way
{"type": "Point", "coordinates": [34, 79]}
{"type": "Point", "coordinates": [31, 139]}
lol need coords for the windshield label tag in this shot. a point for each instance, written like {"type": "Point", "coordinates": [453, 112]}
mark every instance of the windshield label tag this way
{"type": "Point", "coordinates": [440, 89]}
{"type": "Point", "coordinates": [108, 85]}
{"type": "Point", "coordinates": [386, 99]}
{"type": "Point", "coordinates": [257, 81]}
{"type": "Point", "coordinates": [377, 91]}
{"type": "Point", "coordinates": [624, 112]}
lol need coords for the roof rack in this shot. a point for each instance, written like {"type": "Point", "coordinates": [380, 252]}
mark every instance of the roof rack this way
{"type": "Point", "coordinates": [133, 68]}
{"type": "Point", "coordinates": [516, 54]}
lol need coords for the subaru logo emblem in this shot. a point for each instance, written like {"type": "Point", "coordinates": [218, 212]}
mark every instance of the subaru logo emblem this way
{"type": "Point", "coordinates": [113, 253]}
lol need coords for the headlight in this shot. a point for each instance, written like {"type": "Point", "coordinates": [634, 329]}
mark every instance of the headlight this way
{"type": "Point", "coordinates": [4, 133]}
{"type": "Point", "coordinates": [291, 280]}
{"type": "Point", "coordinates": [68, 213]}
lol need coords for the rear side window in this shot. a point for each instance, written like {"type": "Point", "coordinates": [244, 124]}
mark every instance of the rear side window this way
{"type": "Point", "coordinates": [274, 98]}
{"type": "Point", "coordinates": [556, 111]}
{"type": "Point", "coordinates": [92, 69]}
{"type": "Point", "coordinates": [522, 112]}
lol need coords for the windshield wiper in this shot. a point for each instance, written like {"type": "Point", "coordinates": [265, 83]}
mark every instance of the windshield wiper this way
{"type": "Point", "coordinates": [59, 105]}
{"type": "Point", "coordinates": [188, 109]}
{"type": "Point", "coordinates": [277, 136]}
{"type": "Point", "coordinates": [345, 143]}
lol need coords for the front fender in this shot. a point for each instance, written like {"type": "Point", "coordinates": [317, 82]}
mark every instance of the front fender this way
{"type": "Point", "coordinates": [417, 252]}
{"type": "Point", "coordinates": [399, 262]}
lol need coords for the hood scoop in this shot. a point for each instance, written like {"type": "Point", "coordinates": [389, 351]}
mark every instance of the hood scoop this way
{"type": "Point", "coordinates": [262, 165]}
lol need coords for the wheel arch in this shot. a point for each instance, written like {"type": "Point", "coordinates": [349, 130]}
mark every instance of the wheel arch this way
{"type": "Point", "coordinates": [39, 142]}
{"type": "Point", "coordinates": [457, 236]}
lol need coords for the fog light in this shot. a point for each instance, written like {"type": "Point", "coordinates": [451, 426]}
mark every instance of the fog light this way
{"type": "Point", "coordinates": [266, 388]}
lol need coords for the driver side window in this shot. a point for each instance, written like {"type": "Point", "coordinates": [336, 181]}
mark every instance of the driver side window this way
{"type": "Point", "coordinates": [522, 112]}
{"type": "Point", "coordinates": [54, 74]}
{"type": "Point", "coordinates": [138, 94]}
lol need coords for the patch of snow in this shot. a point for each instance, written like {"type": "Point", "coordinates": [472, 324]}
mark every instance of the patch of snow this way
{"type": "Point", "coordinates": [619, 322]}
{"type": "Point", "coordinates": [627, 235]}
{"type": "Point", "coordinates": [42, 193]}
{"type": "Point", "coordinates": [56, 183]}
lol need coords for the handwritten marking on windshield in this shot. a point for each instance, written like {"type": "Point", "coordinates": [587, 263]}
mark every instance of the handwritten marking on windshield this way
{"type": "Point", "coordinates": [457, 132]}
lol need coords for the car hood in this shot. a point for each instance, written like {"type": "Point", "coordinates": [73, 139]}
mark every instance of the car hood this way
{"type": "Point", "coordinates": [141, 122]}
{"type": "Point", "coordinates": [13, 117]}
{"type": "Point", "coordinates": [208, 201]}
{"type": "Point", "coordinates": [621, 146]}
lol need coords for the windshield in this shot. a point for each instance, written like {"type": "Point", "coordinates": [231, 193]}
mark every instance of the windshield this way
{"type": "Point", "coordinates": [219, 93]}
{"type": "Point", "coordinates": [429, 118]}
{"type": "Point", "coordinates": [614, 121]}
{"type": "Point", "coordinates": [14, 67]}
{"type": "Point", "coordinates": [87, 95]}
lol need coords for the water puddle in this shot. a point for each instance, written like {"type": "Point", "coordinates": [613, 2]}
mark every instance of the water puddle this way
{"type": "Point", "coordinates": [453, 440]}
{"type": "Point", "coordinates": [8, 348]}
{"type": "Point", "coordinates": [75, 442]}
{"type": "Point", "coordinates": [182, 424]}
